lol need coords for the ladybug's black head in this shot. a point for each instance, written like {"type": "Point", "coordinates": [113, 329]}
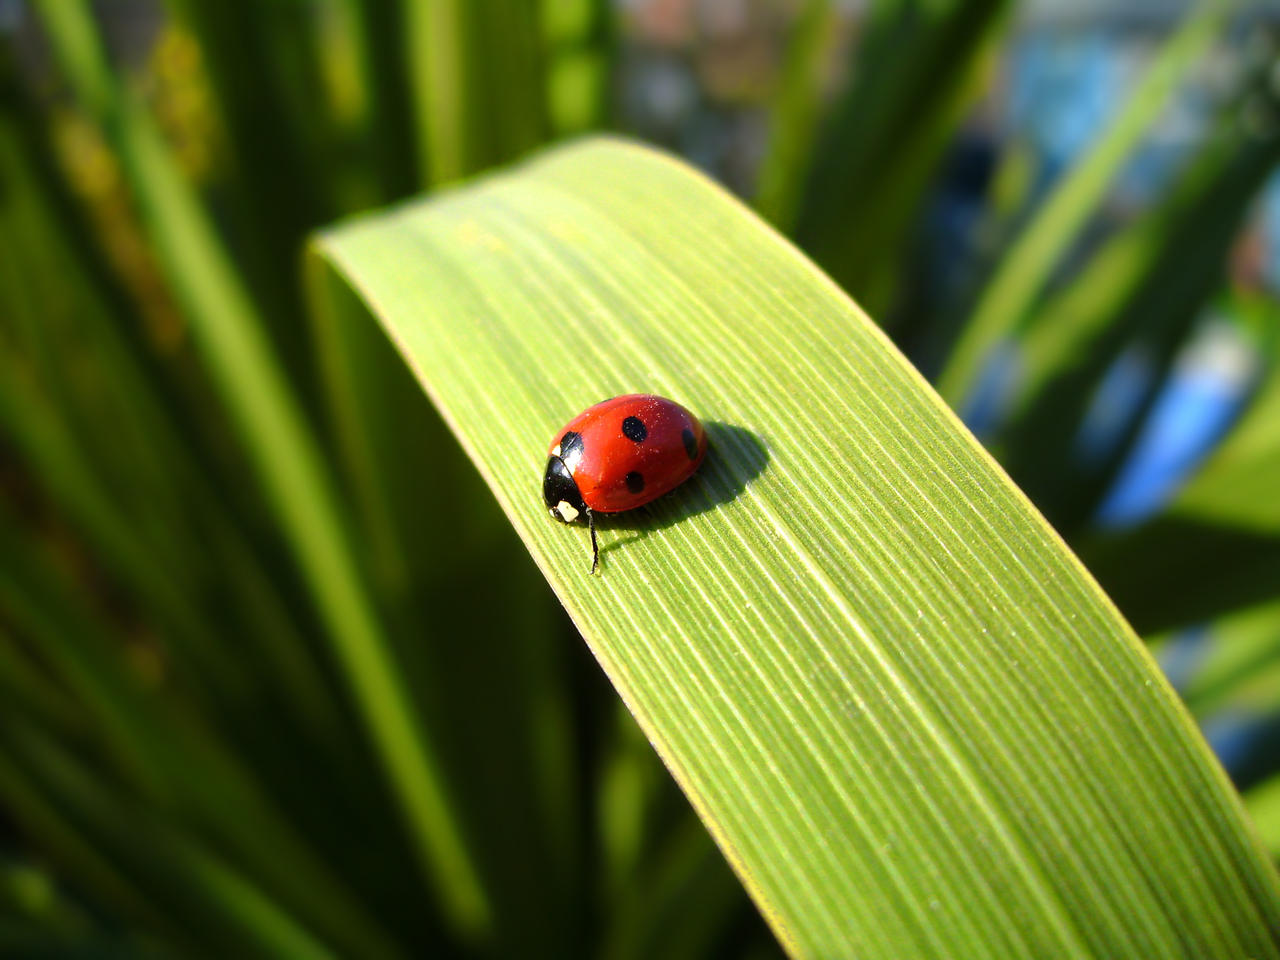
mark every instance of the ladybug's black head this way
{"type": "Point", "coordinates": [560, 492]}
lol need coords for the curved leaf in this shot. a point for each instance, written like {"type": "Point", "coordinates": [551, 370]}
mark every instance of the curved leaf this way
{"type": "Point", "coordinates": [911, 721]}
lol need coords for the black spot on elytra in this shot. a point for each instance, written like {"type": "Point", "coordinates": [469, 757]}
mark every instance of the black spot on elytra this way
{"type": "Point", "coordinates": [634, 429]}
{"type": "Point", "coordinates": [635, 482]}
{"type": "Point", "coordinates": [690, 443]}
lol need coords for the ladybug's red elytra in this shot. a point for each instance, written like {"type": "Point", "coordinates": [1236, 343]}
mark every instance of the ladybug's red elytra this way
{"type": "Point", "coordinates": [619, 455]}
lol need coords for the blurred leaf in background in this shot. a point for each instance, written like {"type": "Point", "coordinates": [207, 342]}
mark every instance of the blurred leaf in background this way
{"type": "Point", "coordinates": [277, 675]}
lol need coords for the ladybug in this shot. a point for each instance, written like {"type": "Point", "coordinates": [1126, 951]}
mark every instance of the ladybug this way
{"type": "Point", "coordinates": [619, 455]}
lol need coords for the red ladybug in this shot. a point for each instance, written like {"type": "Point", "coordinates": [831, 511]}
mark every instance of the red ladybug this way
{"type": "Point", "coordinates": [619, 455]}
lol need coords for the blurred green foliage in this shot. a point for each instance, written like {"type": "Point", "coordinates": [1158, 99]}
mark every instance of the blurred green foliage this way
{"type": "Point", "coordinates": [272, 663]}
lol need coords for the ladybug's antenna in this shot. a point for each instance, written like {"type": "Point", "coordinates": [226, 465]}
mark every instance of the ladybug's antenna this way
{"type": "Point", "coordinates": [595, 550]}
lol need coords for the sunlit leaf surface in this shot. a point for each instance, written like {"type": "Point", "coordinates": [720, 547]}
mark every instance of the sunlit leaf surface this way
{"type": "Point", "coordinates": [911, 721]}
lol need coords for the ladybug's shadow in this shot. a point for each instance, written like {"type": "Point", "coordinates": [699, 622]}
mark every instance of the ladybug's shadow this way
{"type": "Point", "coordinates": [735, 457]}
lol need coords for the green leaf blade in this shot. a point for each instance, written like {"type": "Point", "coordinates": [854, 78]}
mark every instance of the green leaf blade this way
{"type": "Point", "coordinates": [911, 721]}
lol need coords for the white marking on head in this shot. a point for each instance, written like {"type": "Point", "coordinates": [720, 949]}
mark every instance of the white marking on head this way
{"type": "Point", "coordinates": [555, 451]}
{"type": "Point", "coordinates": [567, 511]}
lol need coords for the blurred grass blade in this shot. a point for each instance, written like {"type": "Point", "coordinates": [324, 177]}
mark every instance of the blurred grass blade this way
{"type": "Point", "coordinates": [1238, 664]}
{"type": "Point", "coordinates": [39, 914]}
{"type": "Point", "coordinates": [156, 747]}
{"type": "Point", "coordinates": [1026, 267]}
{"type": "Point", "coordinates": [1235, 487]}
{"type": "Point", "coordinates": [1146, 286]}
{"type": "Point", "coordinates": [30, 692]}
{"type": "Point", "coordinates": [580, 47]}
{"type": "Point", "coordinates": [281, 449]}
{"type": "Point", "coordinates": [88, 414]}
{"type": "Point", "coordinates": [795, 114]}
{"type": "Point", "coordinates": [653, 919]}
{"type": "Point", "coordinates": [1263, 804]}
{"type": "Point", "coordinates": [513, 761]}
{"type": "Point", "coordinates": [914, 76]}
{"type": "Point", "coordinates": [913, 724]}
{"type": "Point", "coordinates": [365, 47]}
{"type": "Point", "coordinates": [76, 848]}
{"type": "Point", "coordinates": [51, 320]}
{"type": "Point", "coordinates": [477, 72]}
{"type": "Point", "coordinates": [260, 61]}
{"type": "Point", "coordinates": [1216, 546]}
{"type": "Point", "coordinates": [206, 897]}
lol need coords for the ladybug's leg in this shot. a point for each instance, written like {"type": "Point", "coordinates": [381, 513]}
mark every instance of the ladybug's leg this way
{"type": "Point", "coordinates": [595, 550]}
